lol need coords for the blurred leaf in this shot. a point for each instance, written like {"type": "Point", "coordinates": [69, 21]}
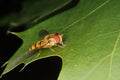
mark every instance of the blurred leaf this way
{"type": "Point", "coordinates": [91, 32]}
{"type": "Point", "coordinates": [31, 11]}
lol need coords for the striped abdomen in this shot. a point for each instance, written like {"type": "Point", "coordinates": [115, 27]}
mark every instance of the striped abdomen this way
{"type": "Point", "coordinates": [37, 45]}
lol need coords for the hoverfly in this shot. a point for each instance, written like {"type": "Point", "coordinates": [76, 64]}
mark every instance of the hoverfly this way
{"type": "Point", "coordinates": [48, 41]}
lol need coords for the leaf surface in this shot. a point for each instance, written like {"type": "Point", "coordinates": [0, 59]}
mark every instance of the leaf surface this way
{"type": "Point", "coordinates": [91, 33]}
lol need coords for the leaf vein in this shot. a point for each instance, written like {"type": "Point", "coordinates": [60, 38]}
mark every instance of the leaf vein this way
{"type": "Point", "coordinates": [104, 34]}
{"type": "Point", "coordinates": [84, 17]}
{"type": "Point", "coordinates": [93, 69]}
{"type": "Point", "coordinates": [112, 55]}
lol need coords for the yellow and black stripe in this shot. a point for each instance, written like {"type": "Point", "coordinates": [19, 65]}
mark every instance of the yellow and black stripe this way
{"type": "Point", "coordinates": [37, 45]}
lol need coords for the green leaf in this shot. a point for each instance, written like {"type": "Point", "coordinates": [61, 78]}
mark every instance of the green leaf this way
{"type": "Point", "coordinates": [91, 32]}
{"type": "Point", "coordinates": [31, 13]}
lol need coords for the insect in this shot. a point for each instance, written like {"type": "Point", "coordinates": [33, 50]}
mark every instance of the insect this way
{"type": "Point", "coordinates": [48, 41]}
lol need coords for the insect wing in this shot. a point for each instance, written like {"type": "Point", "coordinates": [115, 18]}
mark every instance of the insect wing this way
{"type": "Point", "coordinates": [43, 33]}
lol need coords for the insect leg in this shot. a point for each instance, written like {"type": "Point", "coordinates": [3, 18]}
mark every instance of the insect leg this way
{"type": "Point", "coordinates": [51, 49]}
{"type": "Point", "coordinates": [37, 54]}
{"type": "Point", "coordinates": [61, 45]}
